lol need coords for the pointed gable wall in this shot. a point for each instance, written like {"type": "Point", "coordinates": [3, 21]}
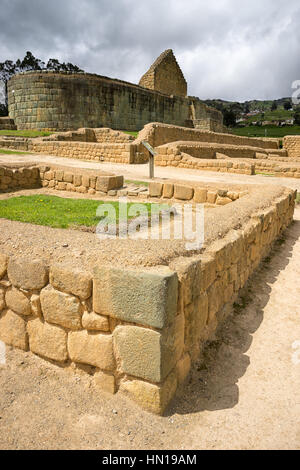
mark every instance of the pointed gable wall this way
{"type": "Point", "coordinates": [165, 76]}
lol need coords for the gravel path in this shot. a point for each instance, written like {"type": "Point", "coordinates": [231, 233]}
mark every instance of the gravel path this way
{"type": "Point", "coordinates": [246, 398]}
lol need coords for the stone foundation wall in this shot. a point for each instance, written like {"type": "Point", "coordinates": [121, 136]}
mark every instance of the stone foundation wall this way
{"type": "Point", "coordinates": [159, 134]}
{"type": "Point", "coordinates": [136, 329]}
{"type": "Point", "coordinates": [17, 178]}
{"type": "Point", "coordinates": [171, 156]}
{"type": "Point", "coordinates": [110, 152]}
{"type": "Point", "coordinates": [91, 183]}
{"type": "Point", "coordinates": [291, 143]}
{"type": "Point", "coordinates": [188, 192]}
{"type": "Point", "coordinates": [58, 178]}
{"type": "Point", "coordinates": [7, 124]}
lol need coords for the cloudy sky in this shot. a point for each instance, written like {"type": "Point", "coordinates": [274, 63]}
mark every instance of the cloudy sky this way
{"type": "Point", "coordinates": [230, 49]}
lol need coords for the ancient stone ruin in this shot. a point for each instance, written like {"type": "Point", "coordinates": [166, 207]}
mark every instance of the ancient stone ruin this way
{"type": "Point", "coordinates": [67, 101]}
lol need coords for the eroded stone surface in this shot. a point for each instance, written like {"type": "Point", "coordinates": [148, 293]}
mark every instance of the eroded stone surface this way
{"type": "Point", "coordinates": [93, 349]}
{"type": "Point", "coordinates": [47, 340]}
{"type": "Point", "coordinates": [27, 274]}
{"type": "Point", "coordinates": [13, 330]}
{"type": "Point", "coordinates": [60, 308]}
{"type": "Point", "coordinates": [147, 297]}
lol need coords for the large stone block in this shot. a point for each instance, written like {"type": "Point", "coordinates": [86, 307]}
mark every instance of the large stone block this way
{"type": "Point", "coordinates": [146, 296]}
{"type": "Point", "coordinates": [185, 193]}
{"type": "Point", "coordinates": [93, 349]}
{"type": "Point", "coordinates": [17, 301]}
{"type": "Point", "coordinates": [200, 196]}
{"type": "Point", "coordinates": [13, 330]}
{"type": "Point", "coordinates": [27, 274]}
{"type": "Point", "coordinates": [153, 398]}
{"type": "Point", "coordinates": [71, 280]}
{"type": "Point", "coordinates": [60, 308]}
{"type": "Point", "coordinates": [155, 189]}
{"type": "Point", "coordinates": [148, 354]}
{"type": "Point", "coordinates": [47, 340]}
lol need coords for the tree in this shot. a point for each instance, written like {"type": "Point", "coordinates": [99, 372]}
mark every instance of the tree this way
{"type": "Point", "coordinates": [9, 68]}
{"type": "Point", "coordinates": [287, 105]}
{"type": "Point", "coordinates": [297, 118]}
{"type": "Point", "coordinates": [247, 108]}
{"type": "Point", "coordinates": [274, 106]}
{"type": "Point", "coordinates": [229, 117]}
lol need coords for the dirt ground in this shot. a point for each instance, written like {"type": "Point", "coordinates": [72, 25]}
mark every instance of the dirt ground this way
{"type": "Point", "coordinates": [247, 397]}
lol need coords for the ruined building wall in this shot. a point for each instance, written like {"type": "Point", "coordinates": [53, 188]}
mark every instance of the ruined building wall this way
{"type": "Point", "coordinates": [165, 76]}
{"type": "Point", "coordinates": [61, 101]}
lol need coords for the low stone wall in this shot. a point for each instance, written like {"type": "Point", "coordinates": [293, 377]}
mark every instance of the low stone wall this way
{"type": "Point", "coordinates": [92, 182]}
{"type": "Point", "coordinates": [7, 124]}
{"type": "Point", "coordinates": [189, 192]}
{"type": "Point", "coordinates": [17, 178]}
{"type": "Point", "coordinates": [170, 156]}
{"type": "Point", "coordinates": [158, 134]}
{"type": "Point", "coordinates": [291, 143]}
{"type": "Point", "coordinates": [101, 135]}
{"type": "Point", "coordinates": [137, 329]}
{"type": "Point", "coordinates": [110, 152]}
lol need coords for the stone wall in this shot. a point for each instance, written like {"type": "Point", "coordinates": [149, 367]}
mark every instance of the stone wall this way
{"type": "Point", "coordinates": [291, 143]}
{"type": "Point", "coordinates": [7, 124]}
{"type": "Point", "coordinates": [90, 182]}
{"type": "Point", "coordinates": [189, 192]}
{"type": "Point", "coordinates": [17, 178]}
{"type": "Point", "coordinates": [137, 329]}
{"type": "Point", "coordinates": [58, 101]}
{"type": "Point", "coordinates": [171, 156]}
{"type": "Point", "coordinates": [159, 134]}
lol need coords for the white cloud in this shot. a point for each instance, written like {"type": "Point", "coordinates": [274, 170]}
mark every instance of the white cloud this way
{"type": "Point", "coordinates": [227, 48]}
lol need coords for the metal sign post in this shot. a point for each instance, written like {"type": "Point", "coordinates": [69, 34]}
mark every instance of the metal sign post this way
{"type": "Point", "coordinates": [152, 154]}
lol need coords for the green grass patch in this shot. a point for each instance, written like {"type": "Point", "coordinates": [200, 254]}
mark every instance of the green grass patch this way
{"type": "Point", "coordinates": [264, 174]}
{"type": "Point", "coordinates": [137, 183]}
{"type": "Point", "coordinates": [266, 131]}
{"type": "Point", "coordinates": [58, 212]}
{"type": "Point", "coordinates": [10, 152]}
{"type": "Point", "coordinates": [26, 133]}
{"type": "Point", "coordinates": [134, 133]}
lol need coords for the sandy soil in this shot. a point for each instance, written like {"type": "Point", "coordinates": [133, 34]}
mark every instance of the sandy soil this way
{"type": "Point", "coordinates": [247, 397]}
{"type": "Point", "coordinates": [141, 172]}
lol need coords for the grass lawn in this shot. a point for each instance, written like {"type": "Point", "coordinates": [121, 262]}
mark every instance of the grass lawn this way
{"type": "Point", "coordinates": [58, 212]}
{"type": "Point", "coordinates": [266, 131]}
{"type": "Point", "coordinates": [26, 133]}
{"type": "Point", "coordinates": [10, 152]}
{"type": "Point", "coordinates": [137, 183]}
{"type": "Point", "coordinates": [134, 133]}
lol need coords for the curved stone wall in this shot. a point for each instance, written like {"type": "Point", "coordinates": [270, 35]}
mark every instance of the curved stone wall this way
{"type": "Point", "coordinates": [62, 101]}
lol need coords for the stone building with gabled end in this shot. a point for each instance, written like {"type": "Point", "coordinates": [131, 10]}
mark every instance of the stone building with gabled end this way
{"type": "Point", "coordinates": [63, 101]}
{"type": "Point", "coordinates": [165, 76]}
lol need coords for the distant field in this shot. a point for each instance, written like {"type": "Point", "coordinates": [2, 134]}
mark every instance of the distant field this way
{"type": "Point", "coordinates": [26, 133]}
{"type": "Point", "coordinates": [266, 131]}
{"type": "Point", "coordinates": [277, 115]}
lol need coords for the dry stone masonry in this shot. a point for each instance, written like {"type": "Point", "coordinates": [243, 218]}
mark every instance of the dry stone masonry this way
{"type": "Point", "coordinates": [139, 329]}
{"type": "Point", "coordinates": [67, 101]}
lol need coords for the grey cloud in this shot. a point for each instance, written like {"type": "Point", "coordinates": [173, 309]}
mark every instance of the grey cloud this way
{"type": "Point", "coordinates": [227, 48]}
